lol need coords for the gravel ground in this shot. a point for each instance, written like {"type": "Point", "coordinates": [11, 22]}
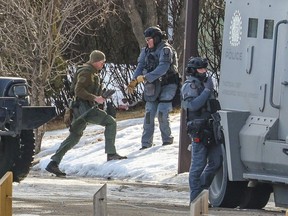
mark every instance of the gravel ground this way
{"type": "Point", "coordinates": [47, 195]}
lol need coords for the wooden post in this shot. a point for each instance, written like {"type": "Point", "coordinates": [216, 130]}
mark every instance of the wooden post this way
{"type": "Point", "coordinates": [286, 212]}
{"type": "Point", "coordinates": [100, 201]}
{"type": "Point", "coordinates": [190, 49]}
{"type": "Point", "coordinates": [199, 206]}
{"type": "Point", "coordinates": [6, 194]}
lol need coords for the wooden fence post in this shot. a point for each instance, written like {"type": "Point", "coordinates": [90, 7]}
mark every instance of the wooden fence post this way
{"type": "Point", "coordinates": [100, 201]}
{"type": "Point", "coordinates": [6, 194]}
{"type": "Point", "coordinates": [199, 206]}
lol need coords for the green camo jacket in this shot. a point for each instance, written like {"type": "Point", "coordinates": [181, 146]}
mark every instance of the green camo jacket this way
{"type": "Point", "coordinates": [88, 84]}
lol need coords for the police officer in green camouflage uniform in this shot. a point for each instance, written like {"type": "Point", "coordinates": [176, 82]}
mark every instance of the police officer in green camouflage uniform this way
{"type": "Point", "coordinates": [85, 110]}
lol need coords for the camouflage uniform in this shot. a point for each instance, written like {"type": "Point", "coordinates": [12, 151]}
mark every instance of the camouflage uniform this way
{"type": "Point", "coordinates": [88, 85]}
{"type": "Point", "coordinates": [87, 91]}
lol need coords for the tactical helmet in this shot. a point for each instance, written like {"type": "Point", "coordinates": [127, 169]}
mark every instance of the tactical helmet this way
{"type": "Point", "coordinates": [197, 62]}
{"type": "Point", "coordinates": [156, 33]}
{"type": "Point", "coordinates": [153, 31]}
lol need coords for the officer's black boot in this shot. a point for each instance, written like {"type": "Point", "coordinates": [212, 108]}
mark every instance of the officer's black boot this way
{"type": "Point", "coordinates": [115, 157]}
{"type": "Point", "coordinates": [52, 167]}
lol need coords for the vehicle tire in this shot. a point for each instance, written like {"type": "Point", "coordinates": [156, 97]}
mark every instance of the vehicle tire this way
{"type": "Point", "coordinates": [225, 193]}
{"type": "Point", "coordinates": [256, 197]}
{"type": "Point", "coordinates": [9, 150]}
{"type": "Point", "coordinates": [16, 154]}
{"type": "Point", "coordinates": [24, 161]}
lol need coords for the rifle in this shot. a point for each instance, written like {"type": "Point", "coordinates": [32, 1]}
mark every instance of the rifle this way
{"type": "Point", "coordinates": [108, 93]}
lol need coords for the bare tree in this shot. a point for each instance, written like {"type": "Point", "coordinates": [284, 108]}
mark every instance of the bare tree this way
{"type": "Point", "coordinates": [122, 37]}
{"type": "Point", "coordinates": [210, 33]}
{"type": "Point", "coordinates": [177, 23]}
{"type": "Point", "coordinates": [40, 38]}
{"type": "Point", "coordinates": [34, 36]}
{"type": "Point", "coordinates": [136, 21]}
{"type": "Point", "coordinates": [169, 15]}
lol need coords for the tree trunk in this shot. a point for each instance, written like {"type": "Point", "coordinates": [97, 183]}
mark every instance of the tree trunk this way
{"type": "Point", "coordinates": [136, 21]}
{"type": "Point", "coordinates": [152, 18]}
{"type": "Point", "coordinates": [38, 99]}
{"type": "Point", "coordinates": [179, 39]}
{"type": "Point", "coordinates": [162, 11]}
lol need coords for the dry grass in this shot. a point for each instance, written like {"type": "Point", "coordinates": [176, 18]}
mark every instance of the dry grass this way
{"type": "Point", "coordinates": [136, 112]}
{"type": "Point", "coordinates": [55, 124]}
{"type": "Point", "coordinates": [130, 114]}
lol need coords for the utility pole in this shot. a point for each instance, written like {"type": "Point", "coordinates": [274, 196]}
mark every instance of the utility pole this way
{"type": "Point", "coordinates": [190, 49]}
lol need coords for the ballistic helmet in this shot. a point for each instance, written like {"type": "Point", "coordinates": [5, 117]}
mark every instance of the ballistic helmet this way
{"type": "Point", "coordinates": [195, 63]}
{"type": "Point", "coordinates": [156, 33]}
{"type": "Point", "coordinates": [153, 31]}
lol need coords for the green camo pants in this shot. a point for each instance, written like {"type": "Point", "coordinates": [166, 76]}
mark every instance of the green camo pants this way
{"type": "Point", "coordinates": [94, 116]}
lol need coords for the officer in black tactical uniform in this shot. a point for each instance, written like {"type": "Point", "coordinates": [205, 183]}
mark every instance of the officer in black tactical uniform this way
{"type": "Point", "coordinates": [198, 100]}
{"type": "Point", "coordinates": [158, 69]}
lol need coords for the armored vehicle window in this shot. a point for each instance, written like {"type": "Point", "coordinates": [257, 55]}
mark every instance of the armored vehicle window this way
{"type": "Point", "coordinates": [268, 29]}
{"type": "Point", "coordinates": [252, 27]}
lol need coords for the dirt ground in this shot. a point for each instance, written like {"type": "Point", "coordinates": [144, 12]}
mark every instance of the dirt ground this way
{"type": "Point", "coordinates": [47, 195]}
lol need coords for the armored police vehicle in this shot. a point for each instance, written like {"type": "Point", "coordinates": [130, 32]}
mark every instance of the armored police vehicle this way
{"type": "Point", "coordinates": [253, 94]}
{"type": "Point", "coordinates": [17, 121]}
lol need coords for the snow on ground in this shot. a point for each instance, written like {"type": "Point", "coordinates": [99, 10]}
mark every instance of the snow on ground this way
{"type": "Point", "coordinates": [156, 165]}
{"type": "Point", "coordinates": [147, 176]}
{"type": "Point", "coordinates": [87, 158]}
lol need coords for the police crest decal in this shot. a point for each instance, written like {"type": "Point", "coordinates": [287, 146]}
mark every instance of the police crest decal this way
{"type": "Point", "coordinates": [235, 29]}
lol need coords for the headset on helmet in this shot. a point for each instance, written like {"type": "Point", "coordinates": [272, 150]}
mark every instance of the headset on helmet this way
{"type": "Point", "coordinates": [195, 63]}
